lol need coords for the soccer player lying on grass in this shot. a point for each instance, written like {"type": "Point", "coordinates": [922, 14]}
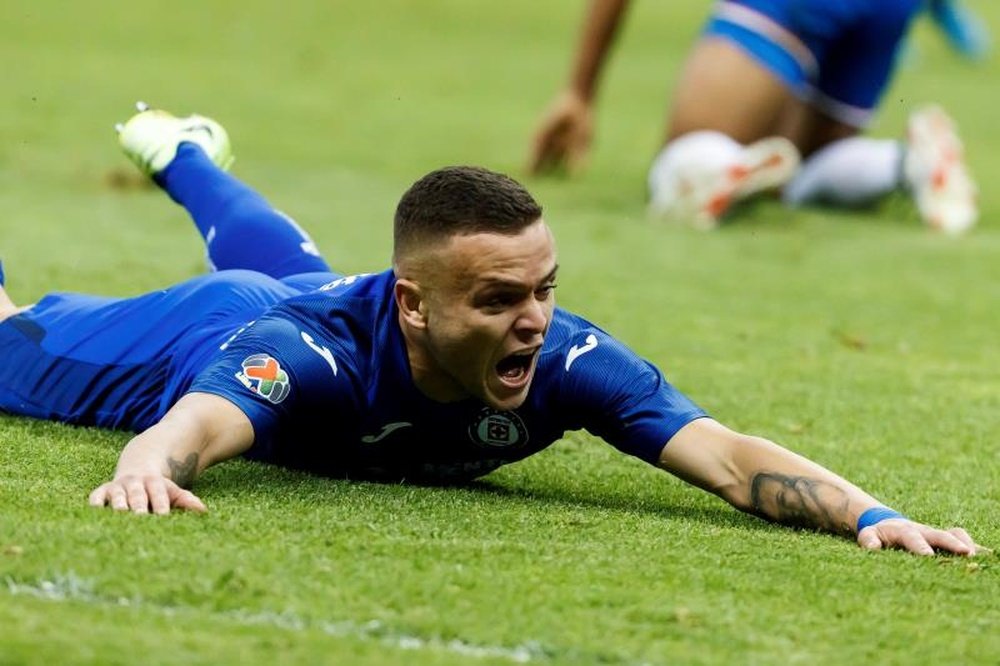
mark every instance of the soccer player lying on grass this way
{"type": "Point", "coordinates": [453, 363]}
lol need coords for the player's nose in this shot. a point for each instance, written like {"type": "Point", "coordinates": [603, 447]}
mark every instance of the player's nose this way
{"type": "Point", "coordinates": [533, 318]}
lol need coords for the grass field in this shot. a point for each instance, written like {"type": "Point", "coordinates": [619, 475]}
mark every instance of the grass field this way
{"type": "Point", "coordinates": [859, 339]}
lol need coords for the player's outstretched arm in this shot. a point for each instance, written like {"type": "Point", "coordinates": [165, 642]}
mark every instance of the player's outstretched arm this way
{"type": "Point", "coordinates": [156, 467]}
{"type": "Point", "coordinates": [563, 137]}
{"type": "Point", "coordinates": [757, 476]}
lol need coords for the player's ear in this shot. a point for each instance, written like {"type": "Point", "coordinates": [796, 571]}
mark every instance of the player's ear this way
{"type": "Point", "coordinates": [411, 303]}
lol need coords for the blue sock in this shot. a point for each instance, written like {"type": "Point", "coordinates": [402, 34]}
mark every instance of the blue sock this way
{"type": "Point", "coordinates": [1, 273]}
{"type": "Point", "coordinates": [239, 227]}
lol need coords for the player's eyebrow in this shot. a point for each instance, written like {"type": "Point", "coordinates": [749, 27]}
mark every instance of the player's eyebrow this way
{"type": "Point", "coordinates": [552, 274]}
{"type": "Point", "coordinates": [494, 283]}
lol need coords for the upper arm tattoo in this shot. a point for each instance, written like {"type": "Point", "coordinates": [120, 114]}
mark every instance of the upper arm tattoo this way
{"type": "Point", "coordinates": [182, 472]}
{"type": "Point", "coordinates": [800, 501]}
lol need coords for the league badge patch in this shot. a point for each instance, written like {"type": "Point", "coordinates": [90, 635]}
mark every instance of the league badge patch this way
{"type": "Point", "coordinates": [263, 376]}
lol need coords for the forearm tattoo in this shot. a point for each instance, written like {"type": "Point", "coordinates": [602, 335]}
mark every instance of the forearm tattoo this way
{"type": "Point", "coordinates": [182, 472]}
{"type": "Point", "coordinates": [800, 501]}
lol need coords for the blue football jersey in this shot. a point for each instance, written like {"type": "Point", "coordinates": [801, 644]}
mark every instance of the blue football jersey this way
{"type": "Point", "coordinates": [325, 380]}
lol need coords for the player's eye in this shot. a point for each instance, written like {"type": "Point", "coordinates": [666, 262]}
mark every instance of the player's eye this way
{"type": "Point", "coordinates": [499, 300]}
{"type": "Point", "coordinates": [545, 291]}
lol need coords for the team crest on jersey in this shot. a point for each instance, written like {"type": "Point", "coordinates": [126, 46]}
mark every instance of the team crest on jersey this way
{"type": "Point", "coordinates": [263, 376]}
{"type": "Point", "coordinates": [498, 429]}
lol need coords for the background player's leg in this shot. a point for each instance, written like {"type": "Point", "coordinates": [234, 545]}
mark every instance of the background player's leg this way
{"type": "Point", "coordinates": [845, 169]}
{"type": "Point", "coordinates": [720, 138]}
{"type": "Point", "coordinates": [841, 168]}
{"type": "Point", "coordinates": [723, 89]}
{"type": "Point", "coordinates": [852, 172]}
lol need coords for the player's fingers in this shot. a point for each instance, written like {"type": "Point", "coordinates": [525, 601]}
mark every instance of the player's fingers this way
{"type": "Point", "coordinates": [550, 162]}
{"type": "Point", "coordinates": [540, 143]}
{"type": "Point", "coordinates": [546, 153]}
{"type": "Point", "coordinates": [578, 146]}
{"type": "Point", "coordinates": [99, 495]}
{"type": "Point", "coordinates": [159, 498]}
{"type": "Point", "coordinates": [948, 542]}
{"type": "Point", "coordinates": [576, 154]}
{"type": "Point", "coordinates": [538, 162]}
{"type": "Point", "coordinates": [554, 142]}
{"type": "Point", "coordinates": [964, 537]}
{"type": "Point", "coordinates": [117, 498]}
{"type": "Point", "coordinates": [138, 499]}
{"type": "Point", "coordinates": [185, 499]}
{"type": "Point", "coordinates": [868, 538]}
{"type": "Point", "coordinates": [912, 540]}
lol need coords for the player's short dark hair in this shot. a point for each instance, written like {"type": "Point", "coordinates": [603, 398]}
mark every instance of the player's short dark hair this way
{"type": "Point", "coordinates": [462, 200]}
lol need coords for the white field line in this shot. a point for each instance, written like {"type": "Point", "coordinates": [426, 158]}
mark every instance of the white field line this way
{"type": "Point", "coordinates": [69, 587]}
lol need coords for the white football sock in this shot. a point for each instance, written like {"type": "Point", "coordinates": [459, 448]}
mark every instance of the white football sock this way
{"type": "Point", "coordinates": [853, 172]}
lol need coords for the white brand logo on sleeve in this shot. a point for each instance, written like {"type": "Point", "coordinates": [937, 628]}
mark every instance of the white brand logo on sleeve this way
{"type": "Point", "coordinates": [234, 335]}
{"type": "Point", "coordinates": [576, 351]}
{"type": "Point", "coordinates": [321, 350]}
{"type": "Point", "coordinates": [344, 281]}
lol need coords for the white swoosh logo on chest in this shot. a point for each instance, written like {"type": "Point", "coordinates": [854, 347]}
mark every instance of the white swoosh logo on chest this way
{"type": "Point", "coordinates": [321, 350]}
{"type": "Point", "coordinates": [576, 351]}
{"type": "Point", "coordinates": [387, 429]}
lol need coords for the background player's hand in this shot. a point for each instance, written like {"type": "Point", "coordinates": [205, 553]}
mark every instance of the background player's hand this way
{"type": "Point", "coordinates": [563, 137]}
{"type": "Point", "coordinates": [916, 538]}
{"type": "Point", "coordinates": [144, 494]}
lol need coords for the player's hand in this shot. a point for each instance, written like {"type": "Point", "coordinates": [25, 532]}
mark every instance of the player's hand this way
{"type": "Point", "coordinates": [144, 494]}
{"type": "Point", "coordinates": [918, 539]}
{"type": "Point", "coordinates": [563, 137]}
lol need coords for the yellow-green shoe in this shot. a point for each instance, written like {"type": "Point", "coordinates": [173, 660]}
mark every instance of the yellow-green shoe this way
{"type": "Point", "coordinates": [150, 138]}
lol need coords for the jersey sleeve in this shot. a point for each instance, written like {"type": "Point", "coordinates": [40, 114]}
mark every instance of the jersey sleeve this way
{"type": "Point", "coordinates": [275, 371]}
{"type": "Point", "coordinates": [622, 398]}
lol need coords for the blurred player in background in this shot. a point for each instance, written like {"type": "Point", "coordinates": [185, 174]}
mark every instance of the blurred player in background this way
{"type": "Point", "coordinates": [774, 96]}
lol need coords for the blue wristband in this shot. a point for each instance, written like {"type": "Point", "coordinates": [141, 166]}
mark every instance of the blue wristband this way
{"type": "Point", "coordinates": [876, 514]}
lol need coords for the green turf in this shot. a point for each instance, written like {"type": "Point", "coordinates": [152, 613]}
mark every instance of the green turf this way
{"type": "Point", "coordinates": [858, 339]}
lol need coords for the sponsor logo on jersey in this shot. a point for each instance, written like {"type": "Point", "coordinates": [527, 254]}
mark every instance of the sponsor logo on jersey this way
{"type": "Point", "coordinates": [576, 351]}
{"type": "Point", "coordinates": [498, 429]}
{"type": "Point", "coordinates": [387, 430]}
{"type": "Point", "coordinates": [263, 375]}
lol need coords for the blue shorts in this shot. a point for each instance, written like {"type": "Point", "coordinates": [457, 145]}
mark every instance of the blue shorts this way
{"type": "Point", "coordinates": [837, 55]}
{"type": "Point", "coordinates": [122, 362]}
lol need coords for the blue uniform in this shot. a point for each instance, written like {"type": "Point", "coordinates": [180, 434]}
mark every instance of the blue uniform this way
{"type": "Point", "coordinates": [838, 55]}
{"type": "Point", "coordinates": [316, 361]}
{"type": "Point", "coordinates": [323, 376]}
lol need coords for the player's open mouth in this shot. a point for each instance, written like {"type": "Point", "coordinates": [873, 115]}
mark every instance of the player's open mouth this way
{"type": "Point", "coordinates": [515, 370]}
